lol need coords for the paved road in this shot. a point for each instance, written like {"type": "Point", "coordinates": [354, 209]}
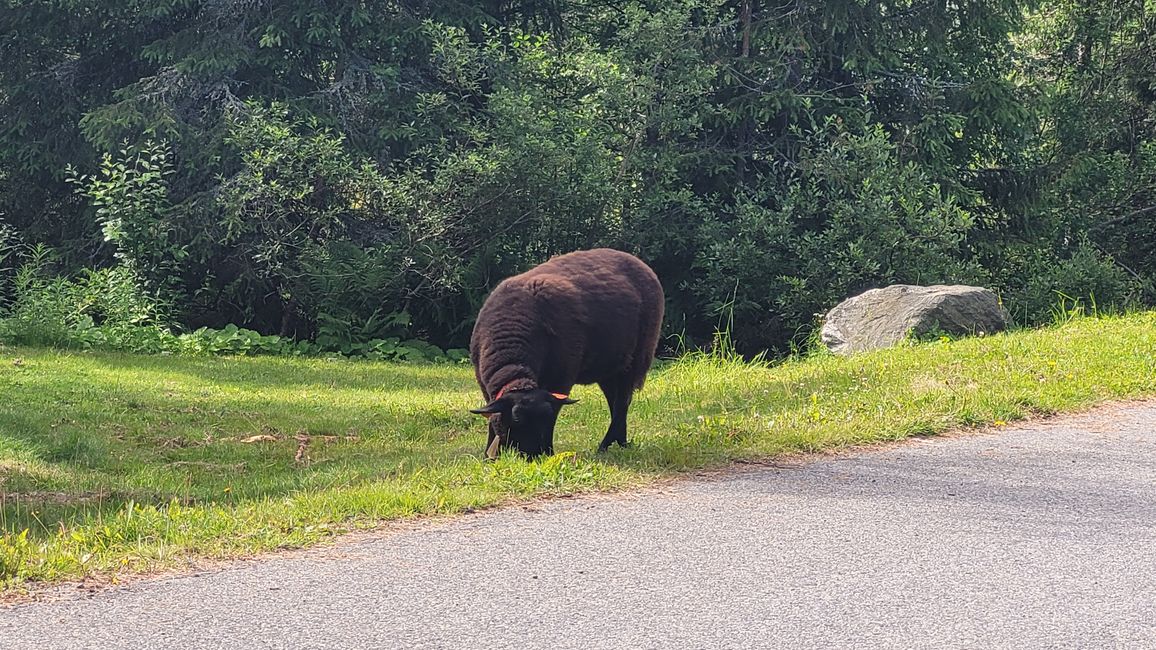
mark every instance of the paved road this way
{"type": "Point", "coordinates": [1036, 537]}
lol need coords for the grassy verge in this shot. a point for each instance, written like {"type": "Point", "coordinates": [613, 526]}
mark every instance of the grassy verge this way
{"type": "Point", "coordinates": [114, 463]}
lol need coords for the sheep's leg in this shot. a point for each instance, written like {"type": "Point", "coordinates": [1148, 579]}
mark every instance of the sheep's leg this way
{"type": "Point", "coordinates": [619, 392]}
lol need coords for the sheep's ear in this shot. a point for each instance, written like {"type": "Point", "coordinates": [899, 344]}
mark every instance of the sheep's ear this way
{"type": "Point", "coordinates": [495, 406]}
{"type": "Point", "coordinates": [563, 399]}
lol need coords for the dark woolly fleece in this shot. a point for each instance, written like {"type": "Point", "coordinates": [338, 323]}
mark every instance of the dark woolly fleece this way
{"type": "Point", "coordinates": [585, 317]}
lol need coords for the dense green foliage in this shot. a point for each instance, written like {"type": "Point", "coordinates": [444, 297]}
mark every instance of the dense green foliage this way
{"type": "Point", "coordinates": [368, 169]}
{"type": "Point", "coordinates": [108, 310]}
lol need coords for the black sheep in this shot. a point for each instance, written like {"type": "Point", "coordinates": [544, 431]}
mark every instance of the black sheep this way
{"type": "Point", "coordinates": [581, 318]}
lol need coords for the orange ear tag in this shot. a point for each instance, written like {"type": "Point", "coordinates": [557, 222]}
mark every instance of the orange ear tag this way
{"type": "Point", "coordinates": [560, 396]}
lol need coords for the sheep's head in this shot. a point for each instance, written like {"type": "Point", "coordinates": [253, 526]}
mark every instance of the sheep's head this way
{"type": "Point", "coordinates": [523, 420]}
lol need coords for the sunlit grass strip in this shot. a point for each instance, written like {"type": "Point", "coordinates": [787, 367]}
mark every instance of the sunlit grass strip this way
{"type": "Point", "coordinates": [139, 537]}
{"type": "Point", "coordinates": [112, 463]}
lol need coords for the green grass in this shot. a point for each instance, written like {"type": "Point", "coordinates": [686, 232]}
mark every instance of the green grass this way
{"type": "Point", "coordinates": [114, 463]}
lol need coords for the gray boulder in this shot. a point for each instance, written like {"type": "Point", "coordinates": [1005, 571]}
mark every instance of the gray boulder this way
{"type": "Point", "coordinates": [883, 317]}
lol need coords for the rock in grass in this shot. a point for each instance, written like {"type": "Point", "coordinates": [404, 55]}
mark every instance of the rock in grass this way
{"type": "Point", "coordinates": [883, 317]}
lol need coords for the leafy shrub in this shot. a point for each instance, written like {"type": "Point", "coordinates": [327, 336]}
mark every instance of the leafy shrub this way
{"type": "Point", "coordinates": [97, 309]}
{"type": "Point", "coordinates": [1086, 277]}
{"type": "Point", "coordinates": [106, 309]}
{"type": "Point", "coordinates": [233, 340]}
{"type": "Point", "coordinates": [130, 194]}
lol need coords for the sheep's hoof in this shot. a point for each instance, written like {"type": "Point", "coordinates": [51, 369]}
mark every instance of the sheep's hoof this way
{"type": "Point", "coordinates": [605, 447]}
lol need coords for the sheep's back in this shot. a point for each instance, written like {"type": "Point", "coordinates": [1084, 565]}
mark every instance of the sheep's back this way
{"type": "Point", "coordinates": [580, 317]}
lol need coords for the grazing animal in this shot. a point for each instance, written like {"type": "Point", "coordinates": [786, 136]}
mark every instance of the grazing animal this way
{"type": "Point", "coordinates": [581, 318]}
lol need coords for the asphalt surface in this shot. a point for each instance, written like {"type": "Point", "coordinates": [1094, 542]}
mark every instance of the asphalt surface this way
{"type": "Point", "coordinates": [1041, 536]}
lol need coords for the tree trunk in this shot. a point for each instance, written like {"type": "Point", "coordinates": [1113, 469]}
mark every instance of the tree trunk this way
{"type": "Point", "coordinates": [746, 19]}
